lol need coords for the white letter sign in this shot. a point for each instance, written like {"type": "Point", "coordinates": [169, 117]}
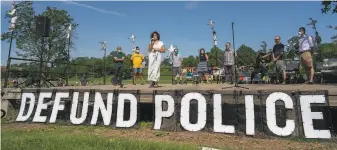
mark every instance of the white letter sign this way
{"type": "Point", "coordinates": [271, 116]}
{"type": "Point", "coordinates": [24, 98]}
{"type": "Point", "coordinates": [159, 113]}
{"type": "Point", "coordinates": [74, 105]}
{"type": "Point", "coordinates": [99, 106]}
{"type": "Point", "coordinates": [120, 110]}
{"type": "Point", "coordinates": [307, 116]}
{"type": "Point", "coordinates": [185, 111]}
{"type": "Point", "coordinates": [57, 106]}
{"type": "Point", "coordinates": [217, 112]}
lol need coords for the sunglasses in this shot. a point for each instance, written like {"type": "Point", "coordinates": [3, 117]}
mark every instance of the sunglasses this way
{"type": "Point", "coordinates": [276, 39]}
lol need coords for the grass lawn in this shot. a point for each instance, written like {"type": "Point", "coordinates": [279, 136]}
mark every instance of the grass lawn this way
{"type": "Point", "coordinates": [62, 138]}
{"type": "Point", "coordinates": [30, 136]}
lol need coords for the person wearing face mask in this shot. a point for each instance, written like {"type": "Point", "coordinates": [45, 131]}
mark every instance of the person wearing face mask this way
{"type": "Point", "coordinates": [156, 47]}
{"type": "Point", "coordinates": [228, 63]}
{"type": "Point", "coordinates": [305, 47]}
{"type": "Point", "coordinates": [277, 56]}
{"type": "Point", "coordinates": [118, 58]}
{"type": "Point", "coordinates": [137, 60]}
{"type": "Point", "coordinates": [176, 70]}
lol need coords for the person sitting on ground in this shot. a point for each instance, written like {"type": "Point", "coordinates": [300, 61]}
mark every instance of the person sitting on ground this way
{"type": "Point", "coordinates": [16, 82]}
{"type": "Point", "coordinates": [195, 76]}
{"type": "Point", "coordinates": [137, 60]}
{"type": "Point", "coordinates": [210, 74]}
{"type": "Point", "coordinates": [60, 82]}
{"type": "Point", "coordinates": [188, 74]}
{"type": "Point", "coordinates": [84, 81]}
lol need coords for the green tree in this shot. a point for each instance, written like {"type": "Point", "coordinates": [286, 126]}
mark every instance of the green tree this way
{"type": "Point", "coordinates": [263, 46]}
{"type": "Point", "coordinates": [190, 61]}
{"type": "Point", "coordinates": [215, 57]}
{"type": "Point", "coordinates": [246, 56]}
{"type": "Point", "coordinates": [334, 37]}
{"type": "Point", "coordinates": [328, 6]}
{"type": "Point", "coordinates": [292, 48]}
{"type": "Point", "coordinates": [326, 50]}
{"type": "Point", "coordinates": [29, 43]}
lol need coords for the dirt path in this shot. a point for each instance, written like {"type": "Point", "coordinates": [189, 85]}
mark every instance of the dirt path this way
{"type": "Point", "coordinates": [198, 138]}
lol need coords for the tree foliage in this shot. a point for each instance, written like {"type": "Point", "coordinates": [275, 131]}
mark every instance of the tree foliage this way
{"type": "Point", "coordinates": [292, 48]}
{"type": "Point", "coordinates": [215, 57]}
{"type": "Point", "coordinates": [326, 50]}
{"type": "Point", "coordinates": [190, 61]}
{"type": "Point", "coordinates": [29, 43]}
{"type": "Point", "coordinates": [245, 56]}
{"type": "Point", "coordinates": [329, 6]}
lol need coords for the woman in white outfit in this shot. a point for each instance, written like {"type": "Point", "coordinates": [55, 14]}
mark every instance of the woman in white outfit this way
{"type": "Point", "coordinates": [156, 47]}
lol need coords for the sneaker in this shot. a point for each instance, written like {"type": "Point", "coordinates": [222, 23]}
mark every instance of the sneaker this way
{"type": "Point", "coordinates": [283, 82]}
{"type": "Point", "coordinates": [310, 82]}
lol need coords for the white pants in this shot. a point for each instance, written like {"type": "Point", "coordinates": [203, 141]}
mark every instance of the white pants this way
{"type": "Point", "coordinates": [154, 67]}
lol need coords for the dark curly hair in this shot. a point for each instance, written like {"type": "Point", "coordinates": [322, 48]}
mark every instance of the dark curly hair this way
{"type": "Point", "coordinates": [202, 49]}
{"type": "Point", "coordinates": [155, 32]}
{"type": "Point", "coordinates": [302, 28]}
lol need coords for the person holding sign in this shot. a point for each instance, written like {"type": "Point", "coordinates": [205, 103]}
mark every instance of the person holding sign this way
{"type": "Point", "coordinates": [156, 47]}
{"type": "Point", "coordinates": [137, 60]}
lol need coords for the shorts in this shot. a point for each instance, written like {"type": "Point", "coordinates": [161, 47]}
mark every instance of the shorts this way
{"type": "Point", "coordinates": [176, 70]}
{"type": "Point", "coordinates": [137, 70]}
{"type": "Point", "coordinates": [306, 59]}
{"type": "Point", "coordinates": [279, 66]}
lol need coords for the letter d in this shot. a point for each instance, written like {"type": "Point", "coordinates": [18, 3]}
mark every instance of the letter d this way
{"type": "Point", "coordinates": [24, 97]}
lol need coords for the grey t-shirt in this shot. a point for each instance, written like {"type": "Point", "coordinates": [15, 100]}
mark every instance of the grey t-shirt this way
{"type": "Point", "coordinates": [177, 60]}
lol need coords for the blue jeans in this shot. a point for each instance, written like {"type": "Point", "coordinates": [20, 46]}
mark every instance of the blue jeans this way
{"type": "Point", "coordinates": [137, 70]}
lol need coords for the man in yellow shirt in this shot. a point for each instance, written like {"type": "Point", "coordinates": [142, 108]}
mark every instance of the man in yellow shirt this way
{"type": "Point", "coordinates": [137, 60]}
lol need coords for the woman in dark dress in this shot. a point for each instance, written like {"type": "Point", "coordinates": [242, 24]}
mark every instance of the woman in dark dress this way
{"type": "Point", "coordinates": [202, 66]}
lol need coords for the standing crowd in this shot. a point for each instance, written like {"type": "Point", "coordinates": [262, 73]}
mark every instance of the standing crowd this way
{"type": "Point", "coordinates": [156, 48]}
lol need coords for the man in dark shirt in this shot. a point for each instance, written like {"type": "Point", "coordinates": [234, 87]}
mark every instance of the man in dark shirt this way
{"type": "Point", "coordinates": [118, 58]}
{"type": "Point", "coordinates": [277, 56]}
{"type": "Point", "coordinates": [84, 81]}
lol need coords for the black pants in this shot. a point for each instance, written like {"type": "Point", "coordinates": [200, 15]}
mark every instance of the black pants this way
{"type": "Point", "coordinates": [228, 73]}
{"type": "Point", "coordinates": [118, 75]}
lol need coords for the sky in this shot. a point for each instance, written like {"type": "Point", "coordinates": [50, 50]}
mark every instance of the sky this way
{"type": "Point", "coordinates": [183, 24]}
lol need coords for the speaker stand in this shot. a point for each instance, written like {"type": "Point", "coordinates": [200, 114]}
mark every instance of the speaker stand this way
{"type": "Point", "coordinates": [235, 71]}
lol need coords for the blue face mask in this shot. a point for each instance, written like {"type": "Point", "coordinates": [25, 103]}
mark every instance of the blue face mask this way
{"type": "Point", "coordinates": [176, 52]}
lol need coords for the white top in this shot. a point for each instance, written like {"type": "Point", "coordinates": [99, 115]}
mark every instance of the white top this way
{"type": "Point", "coordinates": [305, 42]}
{"type": "Point", "coordinates": [158, 45]}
